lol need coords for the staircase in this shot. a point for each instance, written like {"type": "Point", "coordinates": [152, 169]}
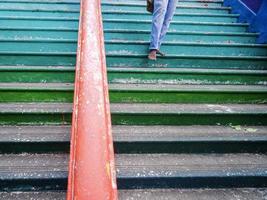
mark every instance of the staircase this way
{"type": "Point", "coordinates": [192, 125]}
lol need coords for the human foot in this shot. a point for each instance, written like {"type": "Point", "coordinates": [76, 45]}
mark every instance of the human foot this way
{"type": "Point", "coordinates": [152, 54]}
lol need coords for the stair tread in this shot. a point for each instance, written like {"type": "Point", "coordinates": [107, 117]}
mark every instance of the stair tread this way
{"type": "Point", "coordinates": [35, 108]}
{"type": "Point", "coordinates": [37, 195]}
{"type": "Point", "coordinates": [33, 166]}
{"type": "Point", "coordinates": [139, 87]}
{"type": "Point", "coordinates": [178, 6]}
{"type": "Point", "coordinates": [176, 43]}
{"type": "Point", "coordinates": [137, 70]}
{"type": "Point", "coordinates": [185, 70]}
{"type": "Point", "coordinates": [19, 134]}
{"type": "Point", "coordinates": [140, 108]}
{"type": "Point", "coordinates": [194, 194]}
{"type": "Point", "coordinates": [181, 14]}
{"type": "Point", "coordinates": [188, 108]}
{"type": "Point", "coordinates": [182, 32]}
{"type": "Point", "coordinates": [189, 133]}
{"type": "Point", "coordinates": [190, 165]}
{"type": "Point", "coordinates": [177, 22]}
{"type": "Point", "coordinates": [191, 88]}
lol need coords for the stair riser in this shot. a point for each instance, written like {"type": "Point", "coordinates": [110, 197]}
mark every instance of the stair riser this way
{"type": "Point", "coordinates": [35, 34]}
{"type": "Point", "coordinates": [35, 118]}
{"type": "Point", "coordinates": [191, 147]}
{"type": "Point", "coordinates": [186, 97]}
{"type": "Point", "coordinates": [34, 147]}
{"type": "Point", "coordinates": [37, 60]}
{"type": "Point", "coordinates": [144, 147]}
{"type": "Point", "coordinates": [36, 184]}
{"type": "Point", "coordinates": [42, 46]}
{"type": "Point", "coordinates": [191, 182]}
{"type": "Point", "coordinates": [199, 18]}
{"type": "Point", "coordinates": [138, 97]}
{"type": "Point", "coordinates": [207, 38]}
{"type": "Point", "coordinates": [134, 77]}
{"type": "Point", "coordinates": [141, 119]}
{"type": "Point", "coordinates": [126, 8]}
{"type": "Point", "coordinates": [37, 76]}
{"type": "Point", "coordinates": [172, 62]}
{"type": "Point", "coordinates": [183, 49]}
{"type": "Point", "coordinates": [172, 78]}
{"type": "Point", "coordinates": [188, 119]}
{"type": "Point", "coordinates": [36, 96]}
{"type": "Point", "coordinates": [37, 13]}
{"type": "Point", "coordinates": [174, 27]}
{"type": "Point", "coordinates": [28, 23]}
{"type": "Point", "coordinates": [39, 5]}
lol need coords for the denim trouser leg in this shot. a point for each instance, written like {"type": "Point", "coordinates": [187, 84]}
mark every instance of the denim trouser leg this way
{"type": "Point", "coordinates": [168, 17]}
{"type": "Point", "coordinates": [160, 8]}
{"type": "Point", "coordinates": [162, 15]}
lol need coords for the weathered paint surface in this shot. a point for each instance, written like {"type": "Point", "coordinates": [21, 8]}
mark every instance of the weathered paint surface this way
{"type": "Point", "coordinates": [91, 169]}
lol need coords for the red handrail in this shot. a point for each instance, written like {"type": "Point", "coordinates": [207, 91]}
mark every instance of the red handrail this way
{"type": "Point", "coordinates": [91, 168]}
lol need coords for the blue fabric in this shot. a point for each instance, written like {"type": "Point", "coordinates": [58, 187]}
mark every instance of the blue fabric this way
{"type": "Point", "coordinates": [162, 16]}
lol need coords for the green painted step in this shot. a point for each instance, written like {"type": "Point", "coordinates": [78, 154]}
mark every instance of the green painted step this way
{"type": "Point", "coordinates": [137, 93]}
{"type": "Point", "coordinates": [226, 18]}
{"type": "Point", "coordinates": [188, 114]}
{"type": "Point", "coordinates": [186, 76]}
{"type": "Point", "coordinates": [184, 48]}
{"type": "Point", "coordinates": [194, 194]}
{"type": "Point", "coordinates": [48, 6]}
{"type": "Point", "coordinates": [189, 139]}
{"type": "Point", "coordinates": [38, 58]}
{"type": "Point", "coordinates": [38, 33]}
{"type": "Point", "coordinates": [136, 171]}
{"type": "Point", "coordinates": [135, 47]}
{"type": "Point", "coordinates": [139, 114]}
{"type": "Point", "coordinates": [37, 74]}
{"type": "Point", "coordinates": [35, 113]}
{"type": "Point", "coordinates": [36, 92]}
{"type": "Point", "coordinates": [180, 8]}
{"type": "Point", "coordinates": [139, 35]}
{"type": "Point", "coordinates": [27, 22]}
{"type": "Point", "coordinates": [180, 36]}
{"type": "Point", "coordinates": [37, 13]}
{"type": "Point", "coordinates": [38, 45]}
{"type": "Point", "coordinates": [33, 172]}
{"type": "Point", "coordinates": [117, 59]}
{"type": "Point", "coordinates": [186, 3]}
{"type": "Point", "coordinates": [57, 74]}
{"type": "Point", "coordinates": [176, 25]}
{"type": "Point", "coordinates": [150, 93]}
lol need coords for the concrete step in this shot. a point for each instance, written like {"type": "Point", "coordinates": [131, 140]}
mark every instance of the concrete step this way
{"type": "Point", "coordinates": [136, 171]}
{"type": "Point", "coordinates": [141, 139]}
{"type": "Point", "coordinates": [188, 114]}
{"type": "Point", "coordinates": [138, 93]}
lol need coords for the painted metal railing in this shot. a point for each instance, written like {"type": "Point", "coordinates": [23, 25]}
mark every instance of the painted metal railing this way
{"type": "Point", "coordinates": [253, 12]}
{"type": "Point", "coordinates": [91, 168]}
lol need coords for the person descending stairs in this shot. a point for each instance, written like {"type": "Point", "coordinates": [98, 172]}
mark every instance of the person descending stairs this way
{"type": "Point", "coordinates": [190, 125]}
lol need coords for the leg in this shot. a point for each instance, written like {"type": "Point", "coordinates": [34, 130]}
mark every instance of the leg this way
{"type": "Point", "coordinates": [167, 20]}
{"type": "Point", "coordinates": [160, 8]}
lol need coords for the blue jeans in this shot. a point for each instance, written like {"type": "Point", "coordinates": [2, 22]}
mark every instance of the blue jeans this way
{"type": "Point", "coordinates": [162, 16]}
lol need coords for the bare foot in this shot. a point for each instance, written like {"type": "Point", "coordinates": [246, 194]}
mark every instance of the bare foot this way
{"type": "Point", "coordinates": [152, 54]}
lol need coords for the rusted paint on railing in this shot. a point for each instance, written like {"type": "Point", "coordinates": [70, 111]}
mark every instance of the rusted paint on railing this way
{"type": "Point", "coordinates": [91, 169]}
